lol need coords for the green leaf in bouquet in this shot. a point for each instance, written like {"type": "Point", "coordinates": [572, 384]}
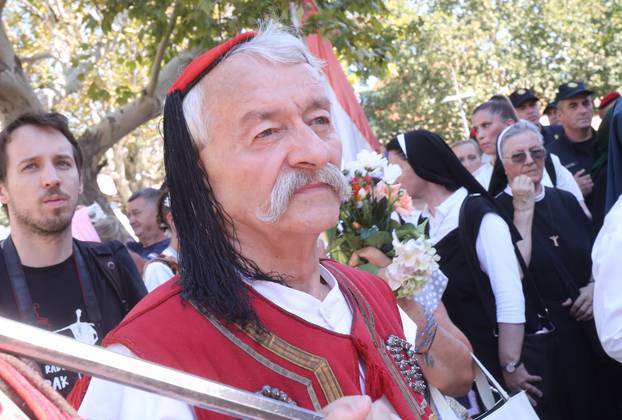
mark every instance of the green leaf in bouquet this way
{"type": "Point", "coordinates": [367, 232]}
{"type": "Point", "coordinates": [421, 229]}
{"type": "Point", "coordinates": [353, 242]}
{"type": "Point", "coordinates": [379, 239]}
{"type": "Point", "coordinates": [340, 256]}
{"type": "Point", "coordinates": [407, 231]}
{"type": "Point", "coordinates": [370, 268]}
{"type": "Point", "coordinates": [393, 225]}
{"type": "Point", "coordinates": [335, 244]}
{"type": "Point", "coordinates": [331, 235]}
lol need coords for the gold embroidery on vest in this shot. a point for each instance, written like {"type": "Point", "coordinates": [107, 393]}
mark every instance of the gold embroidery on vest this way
{"type": "Point", "coordinates": [301, 358]}
{"type": "Point", "coordinates": [260, 358]}
{"type": "Point", "coordinates": [418, 409]}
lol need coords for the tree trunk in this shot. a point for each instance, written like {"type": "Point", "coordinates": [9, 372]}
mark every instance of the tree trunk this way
{"type": "Point", "coordinates": [16, 93]}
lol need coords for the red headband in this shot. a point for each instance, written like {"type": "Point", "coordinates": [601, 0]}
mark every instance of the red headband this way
{"type": "Point", "coordinates": [203, 64]}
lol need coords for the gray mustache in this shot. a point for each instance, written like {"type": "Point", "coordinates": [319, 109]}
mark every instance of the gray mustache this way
{"type": "Point", "coordinates": [291, 180]}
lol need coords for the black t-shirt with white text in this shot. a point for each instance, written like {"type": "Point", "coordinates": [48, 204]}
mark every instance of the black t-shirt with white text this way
{"type": "Point", "coordinates": [58, 304]}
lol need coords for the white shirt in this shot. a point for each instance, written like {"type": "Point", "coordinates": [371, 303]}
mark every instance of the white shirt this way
{"type": "Point", "coordinates": [157, 273]}
{"type": "Point", "coordinates": [565, 179]}
{"type": "Point", "coordinates": [607, 269]}
{"type": "Point", "coordinates": [106, 400]}
{"type": "Point", "coordinates": [483, 174]}
{"type": "Point", "coordinates": [495, 253]}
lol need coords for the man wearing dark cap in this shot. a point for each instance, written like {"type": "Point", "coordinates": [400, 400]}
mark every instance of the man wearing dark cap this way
{"type": "Point", "coordinates": [252, 165]}
{"type": "Point", "coordinates": [550, 110]}
{"type": "Point", "coordinates": [527, 106]}
{"type": "Point", "coordinates": [575, 146]}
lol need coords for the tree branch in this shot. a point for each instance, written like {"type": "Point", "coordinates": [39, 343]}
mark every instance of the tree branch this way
{"type": "Point", "coordinates": [157, 61]}
{"type": "Point", "coordinates": [117, 124]}
{"type": "Point", "coordinates": [16, 93]}
{"type": "Point", "coordinates": [31, 59]}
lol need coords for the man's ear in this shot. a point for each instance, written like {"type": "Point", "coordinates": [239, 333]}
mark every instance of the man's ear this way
{"type": "Point", "coordinates": [4, 196]}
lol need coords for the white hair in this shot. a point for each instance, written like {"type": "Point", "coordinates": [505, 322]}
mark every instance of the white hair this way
{"type": "Point", "coordinates": [515, 129]}
{"type": "Point", "coordinates": [273, 43]}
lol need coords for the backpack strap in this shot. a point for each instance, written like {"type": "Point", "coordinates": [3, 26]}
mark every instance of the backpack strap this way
{"type": "Point", "coordinates": [168, 261]}
{"type": "Point", "coordinates": [111, 258]}
{"type": "Point", "coordinates": [550, 169]}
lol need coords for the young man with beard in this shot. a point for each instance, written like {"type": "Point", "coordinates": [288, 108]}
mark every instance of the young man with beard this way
{"type": "Point", "coordinates": [252, 164]}
{"type": "Point", "coordinates": [47, 278]}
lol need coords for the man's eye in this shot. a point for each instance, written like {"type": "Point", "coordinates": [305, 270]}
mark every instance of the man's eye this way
{"type": "Point", "coordinates": [320, 121]}
{"type": "Point", "coordinates": [266, 133]}
{"type": "Point", "coordinates": [64, 164]}
{"type": "Point", "coordinates": [29, 166]}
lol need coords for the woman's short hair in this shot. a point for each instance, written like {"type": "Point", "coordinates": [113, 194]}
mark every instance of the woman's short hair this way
{"type": "Point", "coordinates": [516, 129]}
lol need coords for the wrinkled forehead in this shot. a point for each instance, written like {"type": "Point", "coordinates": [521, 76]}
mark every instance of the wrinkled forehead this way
{"type": "Point", "coordinates": [243, 74]}
{"type": "Point", "coordinates": [521, 141]}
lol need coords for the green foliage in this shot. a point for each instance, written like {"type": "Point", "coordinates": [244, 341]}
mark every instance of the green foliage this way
{"type": "Point", "coordinates": [491, 47]}
{"type": "Point", "coordinates": [89, 57]}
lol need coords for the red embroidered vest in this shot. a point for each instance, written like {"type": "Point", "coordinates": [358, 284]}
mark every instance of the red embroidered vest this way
{"type": "Point", "coordinates": [312, 365]}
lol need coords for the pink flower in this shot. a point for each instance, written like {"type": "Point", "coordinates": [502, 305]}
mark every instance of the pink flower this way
{"type": "Point", "coordinates": [382, 190]}
{"type": "Point", "coordinates": [404, 205]}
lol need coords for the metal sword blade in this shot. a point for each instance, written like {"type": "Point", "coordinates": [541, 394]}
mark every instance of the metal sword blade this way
{"type": "Point", "coordinates": [45, 346]}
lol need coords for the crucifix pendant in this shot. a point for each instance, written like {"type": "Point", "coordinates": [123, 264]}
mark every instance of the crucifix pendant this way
{"type": "Point", "coordinates": [554, 238]}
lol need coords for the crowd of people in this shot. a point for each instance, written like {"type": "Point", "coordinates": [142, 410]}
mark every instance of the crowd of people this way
{"type": "Point", "coordinates": [513, 213]}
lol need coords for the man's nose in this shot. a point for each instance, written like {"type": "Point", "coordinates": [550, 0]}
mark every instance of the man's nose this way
{"type": "Point", "coordinates": [308, 149]}
{"type": "Point", "coordinates": [50, 177]}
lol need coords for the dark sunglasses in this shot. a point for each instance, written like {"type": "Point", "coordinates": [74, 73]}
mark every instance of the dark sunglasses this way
{"type": "Point", "coordinates": [536, 154]}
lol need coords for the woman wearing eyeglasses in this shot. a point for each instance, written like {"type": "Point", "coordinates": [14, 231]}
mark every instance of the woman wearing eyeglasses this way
{"type": "Point", "coordinates": [484, 295]}
{"type": "Point", "coordinates": [556, 245]}
{"type": "Point", "coordinates": [489, 119]}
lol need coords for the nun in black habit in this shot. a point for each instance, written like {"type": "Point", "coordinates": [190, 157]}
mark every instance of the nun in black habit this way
{"type": "Point", "coordinates": [484, 295]}
{"type": "Point", "coordinates": [557, 251]}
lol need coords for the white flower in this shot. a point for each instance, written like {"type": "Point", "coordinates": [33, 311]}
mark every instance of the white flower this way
{"type": "Point", "coordinates": [414, 262]}
{"type": "Point", "coordinates": [362, 193]}
{"type": "Point", "coordinates": [371, 161]}
{"type": "Point", "coordinates": [396, 276]}
{"type": "Point", "coordinates": [391, 174]}
{"type": "Point", "coordinates": [351, 168]}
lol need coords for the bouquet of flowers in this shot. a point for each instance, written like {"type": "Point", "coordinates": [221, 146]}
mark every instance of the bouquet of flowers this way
{"type": "Point", "coordinates": [371, 217]}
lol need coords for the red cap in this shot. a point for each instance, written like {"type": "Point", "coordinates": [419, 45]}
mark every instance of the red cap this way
{"type": "Point", "coordinates": [608, 98]}
{"type": "Point", "coordinates": [205, 62]}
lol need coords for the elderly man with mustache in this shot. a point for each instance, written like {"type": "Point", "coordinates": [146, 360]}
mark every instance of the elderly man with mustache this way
{"type": "Point", "coordinates": [252, 165]}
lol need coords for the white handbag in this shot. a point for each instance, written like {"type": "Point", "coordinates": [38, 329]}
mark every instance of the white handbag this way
{"type": "Point", "coordinates": [514, 407]}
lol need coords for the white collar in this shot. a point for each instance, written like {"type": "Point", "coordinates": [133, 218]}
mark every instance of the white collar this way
{"type": "Point", "coordinates": [538, 197]}
{"type": "Point", "coordinates": [443, 209]}
{"type": "Point", "coordinates": [170, 252]}
{"type": "Point", "coordinates": [332, 313]}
